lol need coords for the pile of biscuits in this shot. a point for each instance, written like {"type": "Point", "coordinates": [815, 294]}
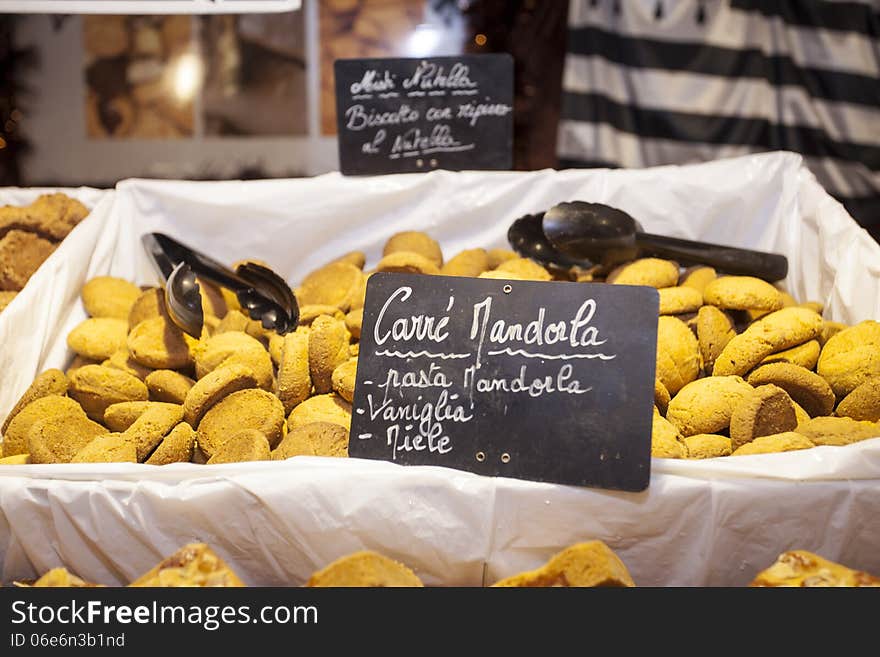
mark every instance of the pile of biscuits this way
{"type": "Point", "coordinates": [742, 368]}
{"type": "Point", "coordinates": [29, 234]}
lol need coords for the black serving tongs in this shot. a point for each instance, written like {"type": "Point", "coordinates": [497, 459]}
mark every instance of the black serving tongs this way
{"type": "Point", "coordinates": [580, 234]}
{"type": "Point", "coordinates": [262, 293]}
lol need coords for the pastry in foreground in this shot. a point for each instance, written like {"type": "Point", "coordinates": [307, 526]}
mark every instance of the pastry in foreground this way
{"type": "Point", "coordinates": [365, 569]}
{"type": "Point", "coordinates": [192, 565]}
{"type": "Point", "coordinates": [582, 565]}
{"type": "Point", "coordinates": [802, 568]}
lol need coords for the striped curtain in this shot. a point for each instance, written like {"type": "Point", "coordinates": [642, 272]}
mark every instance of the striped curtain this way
{"type": "Point", "coordinates": [650, 82]}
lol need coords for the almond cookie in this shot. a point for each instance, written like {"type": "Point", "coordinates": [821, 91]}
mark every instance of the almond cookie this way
{"type": "Point", "coordinates": [314, 439]}
{"type": "Point", "coordinates": [58, 408]}
{"type": "Point", "coordinates": [677, 300]}
{"type": "Point", "coordinates": [806, 355]}
{"type": "Point", "coordinates": [767, 411]}
{"type": "Point", "coordinates": [714, 330]}
{"type": "Point", "coordinates": [79, 361]}
{"type": "Point", "coordinates": [678, 354]}
{"type": "Point", "coordinates": [698, 277]}
{"type": "Point", "coordinates": [415, 242]}
{"type": "Point", "coordinates": [213, 387]}
{"type": "Point", "coordinates": [152, 426]}
{"type": "Point", "coordinates": [661, 396]}
{"type": "Point", "coordinates": [470, 262]}
{"type": "Point", "coordinates": [498, 256]}
{"type": "Point", "coordinates": [159, 344]}
{"type": "Point", "coordinates": [356, 258]}
{"type": "Point", "coordinates": [245, 409]}
{"type": "Point", "coordinates": [308, 314]}
{"type": "Point", "coordinates": [407, 262]}
{"type": "Point", "coordinates": [800, 413]}
{"type": "Point", "coordinates": [321, 408]}
{"type": "Point", "coordinates": [234, 320]}
{"type": "Point", "coordinates": [109, 448]}
{"type": "Point", "coordinates": [247, 445]}
{"type": "Point", "coordinates": [98, 338]}
{"type": "Point", "coordinates": [838, 430]}
{"type": "Point", "coordinates": [665, 443]}
{"type": "Point", "coordinates": [96, 387]}
{"type": "Point", "coordinates": [151, 303]}
{"type": "Point", "coordinates": [119, 417]}
{"type": "Point", "coordinates": [336, 284]}
{"type": "Point", "coordinates": [807, 389]}
{"type": "Point", "coordinates": [365, 569]}
{"type": "Point", "coordinates": [652, 272]}
{"type": "Point", "coordinates": [863, 403]}
{"type": "Point", "coordinates": [777, 331]}
{"type": "Point", "coordinates": [742, 293]}
{"type": "Point", "coordinates": [122, 360]}
{"type": "Point", "coordinates": [851, 357]}
{"type": "Point", "coordinates": [582, 565]}
{"type": "Point", "coordinates": [524, 268]}
{"type": "Point", "coordinates": [707, 446]}
{"type": "Point", "coordinates": [50, 382]}
{"type": "Point", "coordinates": [235, 348]}
{"type": "Point", "coordinates": [57, 439]}
{"type": "Point", "coordinates": [328, 349]}
{"type": "Point", "coordinates": [816, 306]}
{"type": "Point", "coordinates": [786, 441]}
{"type": "Point", "coordinates": [176, 447]}
{"type": "Point", "coordinates": [706, 405]}
{"type": "Point", "coordinates": [343, 379]}
{"type": "Point", "coordinates": [276, 345]}
{"type": "Point", "coordinates": [168, 386]}
{"type": "Point", "coordinates": [21, 254]}
{"type": "Point", "coordinates": [107, 296]}
{"type": "Point", "coordinates": [829, 330]}
{"type": "Point", "coordinates": [353, 322]}
{"type": "Point", "coordinates": [294, 383]}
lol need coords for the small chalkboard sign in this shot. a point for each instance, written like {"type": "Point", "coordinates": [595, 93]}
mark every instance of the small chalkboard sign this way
{"type": "Point", "coordinates": [415, 114]}
{"type": "Point", "coordinates": [543, 381]}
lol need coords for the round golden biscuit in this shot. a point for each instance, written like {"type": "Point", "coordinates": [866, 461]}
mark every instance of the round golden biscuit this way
{"type": "Point", "coordinates": [415, 242]}
{"type": "Point", "coordinates": [714, 330]}
{"type": "Point", "coordinates": [151, 303]}
{"type": "Point", "coordinates": [49, 382]}
{"type": "Point", "coordinates": [526, 269]}
{"type": "Point", "coordinates": [808, 389]}
{"type": "Point", "coordinates": [159, 344]}
{"type": "Point", "coordinates": [829, 330]}
{"type": "Point", "coordinates": [234, 320]}
{"type": "Point", "coordinates": [308, 314]}
{"type": "Point", "coordinates": [213, 387]}
{"type": "Point", "coordinates": [321, 408]}
{"type": "Point", "coordinates": [863, 403]}
{"type": "Point", "coordinates": [407, 262]}
{"type": "Point", "coordinates": [246, 445]}
{"type": "Point", "coordinates": [79, 361]}
{"type": "Point", "coordinates": [96, 387]}
{"type": "Point", "coordinates": [838, 430]}
{"type": "Point", "coordinates": [168, 386]}
{"type": "Point", "coordinates": [53, 407]}
{"type": "Point", "coordinates": [109, 448]}
{"type": "Point", "coordinates": [276, 345]}
{"type": "Point", "coordinates": [806, 355]}
{"type": "Point", "coordinates": [767, 411]}
{"type": "Point", "coordinates": [294, 383]}
{"type": "Point", "coordinates": [343, 379]}
{"type": "Point", "coordinates": [152, 426]}
{"type": "Point", "coordinates": [470, 262]}
{"type": "Point", "coordinates": [107, 296]}
{"type": "Point", "coordinates": [365, 569]}
{"type": "Point", "coordinates": [786, 441]}
{"type": "Point", "coordinates": [235, 348]}
{"type": "Point", "coordinates": [176, 447]}
{"type": "Point", "coordinates": [706, 405]}
{"type": "Point", "coordinates": [677, 300]}
{"type": "Point", "coordinates": [707, 446]}
{"type": "Point", "coordinates": [328, 349]}
{"type": "Point", "coordinates": [353, 321]}
{"type": "Point", "coordinates": [698, 277]}
{"type": "Point", "coordinates": [122, 360]}
{"type": "Point", "coordinates": [119, 417]}
{"type": "Point", "coordinates": [779, 330]}
{"type": "Point", "coordinates": [661, 396]}
{"type": "Point", "coordinates": [652, 272]}
{"type": "Point", "coordinates": [245, 409]}
{"type": "Point", "coordinates": [665, 443]}
{"type": "Point", "coordinates": [499, 256]}
{"type": "Point", "coordinates": [678, 354]}
{"type": "Point", "coordinates": [851, 357]}
{"type": "Point", "coordinates": [742, 293]}
{"type": "Point", "coordinates": [336, 284]}
{"type": "Point", "coordinates": [58, 439]}
{"type": "Point", "coordinates": [356, 258]}
{"type": "Point", "coordinates": [314, 439]}
{"type": "Point", "coordinates": [98, 337]}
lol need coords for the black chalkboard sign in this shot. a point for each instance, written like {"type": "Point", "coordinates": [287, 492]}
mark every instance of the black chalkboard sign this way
{"type": "Point", "coordinates": [409, 115]}
{"type": "Point", "coordinates": [543, 381]}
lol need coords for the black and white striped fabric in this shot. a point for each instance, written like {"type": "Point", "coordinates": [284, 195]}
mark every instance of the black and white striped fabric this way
{"type": "Point", "coordinates": [650, 82]}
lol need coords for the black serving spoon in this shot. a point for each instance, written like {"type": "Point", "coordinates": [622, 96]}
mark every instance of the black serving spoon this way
{"type": "Point", "coordinates": [527, 238]}
{"type": "Point", "coordinates": [609, 236]}
{"type": "Point", "coordinates": [262, 293]}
